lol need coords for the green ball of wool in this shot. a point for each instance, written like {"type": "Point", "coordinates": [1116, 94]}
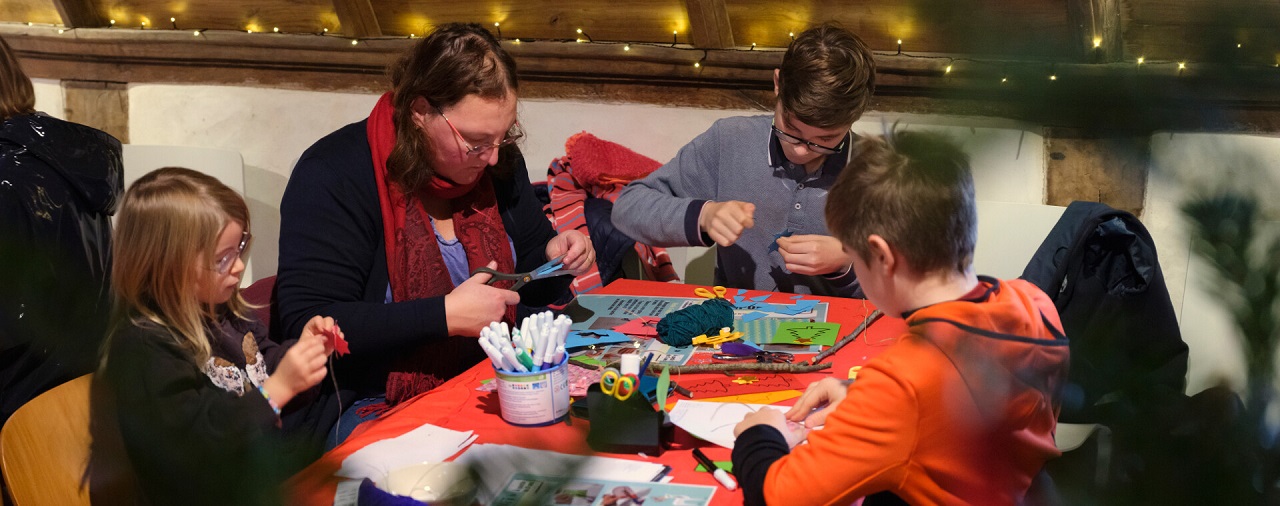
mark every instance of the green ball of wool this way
{"type": "Point", "coordinates": [680, 327]}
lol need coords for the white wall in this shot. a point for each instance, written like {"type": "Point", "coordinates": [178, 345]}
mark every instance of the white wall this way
{"type": "Point", "coordinates": [1183, 166]}
{"type": "Point", "coordinates": [49, 97]}
{"type": "Point", "coordinates": [271, 128]}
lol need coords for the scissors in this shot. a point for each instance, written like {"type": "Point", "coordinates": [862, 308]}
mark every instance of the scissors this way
{"type": "Point", "coordinates": [619, 385]}
{"type": "Point", "coordinates": [714, 293]}
{"type": "Point", "coordinates": [764, 357]}
{"type": "Point", "coordinates": [548, 270]}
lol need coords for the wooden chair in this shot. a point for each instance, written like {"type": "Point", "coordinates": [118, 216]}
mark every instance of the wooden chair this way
{"type": "Point", "coordinates": [44, 447]}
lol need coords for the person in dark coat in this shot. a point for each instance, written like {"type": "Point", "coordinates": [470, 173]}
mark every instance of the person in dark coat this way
{"type": "Point", "coordinates": [59, 185]}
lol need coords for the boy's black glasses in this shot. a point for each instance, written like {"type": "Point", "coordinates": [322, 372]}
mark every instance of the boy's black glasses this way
{"type": "Point", "coordinates": [816, 148]}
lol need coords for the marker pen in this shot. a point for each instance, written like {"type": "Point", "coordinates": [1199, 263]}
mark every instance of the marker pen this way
{"type": "Point", "coordinates": [719, 474]}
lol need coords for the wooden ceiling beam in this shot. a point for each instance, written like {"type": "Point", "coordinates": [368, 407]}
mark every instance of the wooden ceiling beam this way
{"type": "Point", "coordinates": [358, 18]}
{"type": "Point", "coordinates": [709, 24]}
{"type": "Point", "coordinates": [1097, 29]}
{"type": "Point", "coordinates": [79, 14]}
{"type": "Point", "coordinates": [1116, 95]}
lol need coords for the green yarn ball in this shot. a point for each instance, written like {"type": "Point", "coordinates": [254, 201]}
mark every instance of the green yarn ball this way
{"type": "Point", "coordinates": [680, 327]}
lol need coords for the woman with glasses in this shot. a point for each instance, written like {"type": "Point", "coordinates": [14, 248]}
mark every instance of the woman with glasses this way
{"type": "Point", "coordinates": [384, 220]}
{"type": "Point", "coordinates": [756, 186]}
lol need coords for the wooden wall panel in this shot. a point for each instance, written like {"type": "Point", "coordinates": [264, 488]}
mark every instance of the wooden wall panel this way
{"type": "Point", "coordinates": [1102, 167]}
{"type": "Point", "coordinates": [294, 16]}
{"type": "Point", "coordinates": [989, 27]}
{"type": "Point", "coordinates": [632, 20]}
{"type": "Point", "coordinates": [30, 11]}
{"type": "Point", "coordinates": [101, 105]}
{"type": "Point", "coordinates": [1198, 30]}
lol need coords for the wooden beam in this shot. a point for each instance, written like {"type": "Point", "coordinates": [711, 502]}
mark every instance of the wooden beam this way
{"type": "Point", "coordinates": [709, 24]}
{"type": "Point", "coordinates": [1098, 29]}
{"type": "Point", "coordinates": [357, 18]}
{"type": "Point", "coordinates": [1086, 96]}
{"type": "Point", "coordinates": [79, 14]}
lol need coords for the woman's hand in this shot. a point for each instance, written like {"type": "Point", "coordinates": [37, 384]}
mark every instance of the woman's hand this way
{"type": "Point", "coordinates": [473, 305]}
{"type": "Point", "coordinates": [579, 254]}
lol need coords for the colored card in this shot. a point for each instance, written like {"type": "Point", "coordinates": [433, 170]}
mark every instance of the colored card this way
{"type": "Point", "coordinates": [583, 338]}
{"type": "Point", "coordinates": [645, 326]}
{"type": "Point", "coordinates": [336, 341]}
{"type": "Point", "coordinates": [773, 246]}
{"type": "Point", "coordinates": [810, 333]}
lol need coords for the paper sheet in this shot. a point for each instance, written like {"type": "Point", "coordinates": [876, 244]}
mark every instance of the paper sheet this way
{"type": "Point", "coordinates": [496, 464]}
{"type": "Point", "coordinates": [712, 421]}
{"type": "Point", "coordinates": [427, 443]}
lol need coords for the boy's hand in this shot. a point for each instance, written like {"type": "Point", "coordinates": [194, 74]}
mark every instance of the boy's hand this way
{"type": "Point", "coordinates": [473, 305]}
{"type": "Point", "coordinates": [725, 221]}
{"type": "Point", "coordinates": [825, 394]}
{"type": "Point", "coordinates": [301, 368]}
{"type": "Point", "coordinates": [579, 254]}
{"type": "Point", "coordinates": [813, 255]}
{"type": "Point", "coordinates": [768, 416]}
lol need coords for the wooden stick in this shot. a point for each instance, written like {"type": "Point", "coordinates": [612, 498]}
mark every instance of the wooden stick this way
{"type": "Point", "coordinates": [749, 366]}
{"type": "Point", "coordinates": [866, 323]}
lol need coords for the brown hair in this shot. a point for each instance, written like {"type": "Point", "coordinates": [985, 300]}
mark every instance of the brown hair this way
{"type": "Point", "coordinates": [167, 229]}
{"type": "Point", "coordinates": [827, 77]}
{"type": "Point", "coordinates": [16, 95]}
{"type": "Point", "coordinates": [453, 61]}
{"type": "Point", "coordinates": [915, 190]}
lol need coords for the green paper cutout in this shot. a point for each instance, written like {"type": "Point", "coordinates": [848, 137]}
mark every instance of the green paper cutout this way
{"type": "Point", "coordinates": [722, 464]}
{"type": "Point", "coordinates": [823, 333]}
{"type": "Point", "coordinates": [585, 360]}
{"type": "Point", "coordinates": [664, 385]}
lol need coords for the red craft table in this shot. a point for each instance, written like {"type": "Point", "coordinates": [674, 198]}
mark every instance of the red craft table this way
{"type": "Point", "coordinates": [457, 405]}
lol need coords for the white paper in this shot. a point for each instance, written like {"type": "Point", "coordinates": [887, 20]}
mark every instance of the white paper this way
{"type": "Point", "coordinates": [495, 465]}
{"type": "Point", "coordinates": [427, 443]}
{"type": "Point", "coordinates": [712, 421]}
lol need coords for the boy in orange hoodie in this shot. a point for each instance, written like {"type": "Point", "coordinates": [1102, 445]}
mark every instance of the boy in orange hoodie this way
{"type": "Point", "coordinates": [960, 409]}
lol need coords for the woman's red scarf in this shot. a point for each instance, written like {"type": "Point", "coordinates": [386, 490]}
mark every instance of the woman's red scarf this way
{"type": "Point", "coordinates": [414, 262]}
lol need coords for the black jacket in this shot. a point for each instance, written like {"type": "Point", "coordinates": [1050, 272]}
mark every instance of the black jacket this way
{"type": "Point", "coordinates": [1099, 266]}
{"type": "Point", "coordinates": [59, 185]}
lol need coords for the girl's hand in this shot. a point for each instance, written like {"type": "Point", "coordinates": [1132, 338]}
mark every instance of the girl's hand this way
{"type": "Point", "coordinates": [579, 254]}
{"type": "Point", "coordinates": [322, 326]}
{"type": "Point", "coordinates": [302, 367]}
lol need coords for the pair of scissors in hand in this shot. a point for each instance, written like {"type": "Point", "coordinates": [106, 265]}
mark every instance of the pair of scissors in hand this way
{"type": "Point", "coordinates": [619, 385]}
{"type": "Point", "coordinates": [548, 270]}
{"type": "Point", "coordinates": [718, 292]}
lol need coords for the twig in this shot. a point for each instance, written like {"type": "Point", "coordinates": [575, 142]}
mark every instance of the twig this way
{"type": "Point", "coordinates": [750, 366]}
{"type": "Point", "coordinates": [866, 323]}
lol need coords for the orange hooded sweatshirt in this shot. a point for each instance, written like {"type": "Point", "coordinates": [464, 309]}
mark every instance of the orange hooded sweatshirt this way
{"type": "Point", "coordinates": [960, 410]}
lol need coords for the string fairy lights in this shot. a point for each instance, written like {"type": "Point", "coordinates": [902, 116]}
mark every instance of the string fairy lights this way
{"type": "Point", "coordinates": [948, 66]}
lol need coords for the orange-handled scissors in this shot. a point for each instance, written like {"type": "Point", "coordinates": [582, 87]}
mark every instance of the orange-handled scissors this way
{"type": "Point", "coordinates": [619, 385]}
{"type": "Point", "coordinates": [718, 292]}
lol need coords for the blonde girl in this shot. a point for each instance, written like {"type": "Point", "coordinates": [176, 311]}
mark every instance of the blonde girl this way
{"type": "Point", "coordinates": [196, 386]}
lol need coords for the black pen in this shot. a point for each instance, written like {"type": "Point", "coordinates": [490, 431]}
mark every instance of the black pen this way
{"type": "Point", "coordinates": [719, 474]}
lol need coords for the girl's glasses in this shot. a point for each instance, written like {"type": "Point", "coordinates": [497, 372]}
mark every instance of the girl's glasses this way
{"type": "Point", "coordinates": [513, 135]}
{"type": "Point", "coordinates": [224, 263]}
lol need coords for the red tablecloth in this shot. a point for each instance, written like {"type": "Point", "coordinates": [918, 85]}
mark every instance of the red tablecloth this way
{"type": "Point", "coordinates": [458, 405]}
